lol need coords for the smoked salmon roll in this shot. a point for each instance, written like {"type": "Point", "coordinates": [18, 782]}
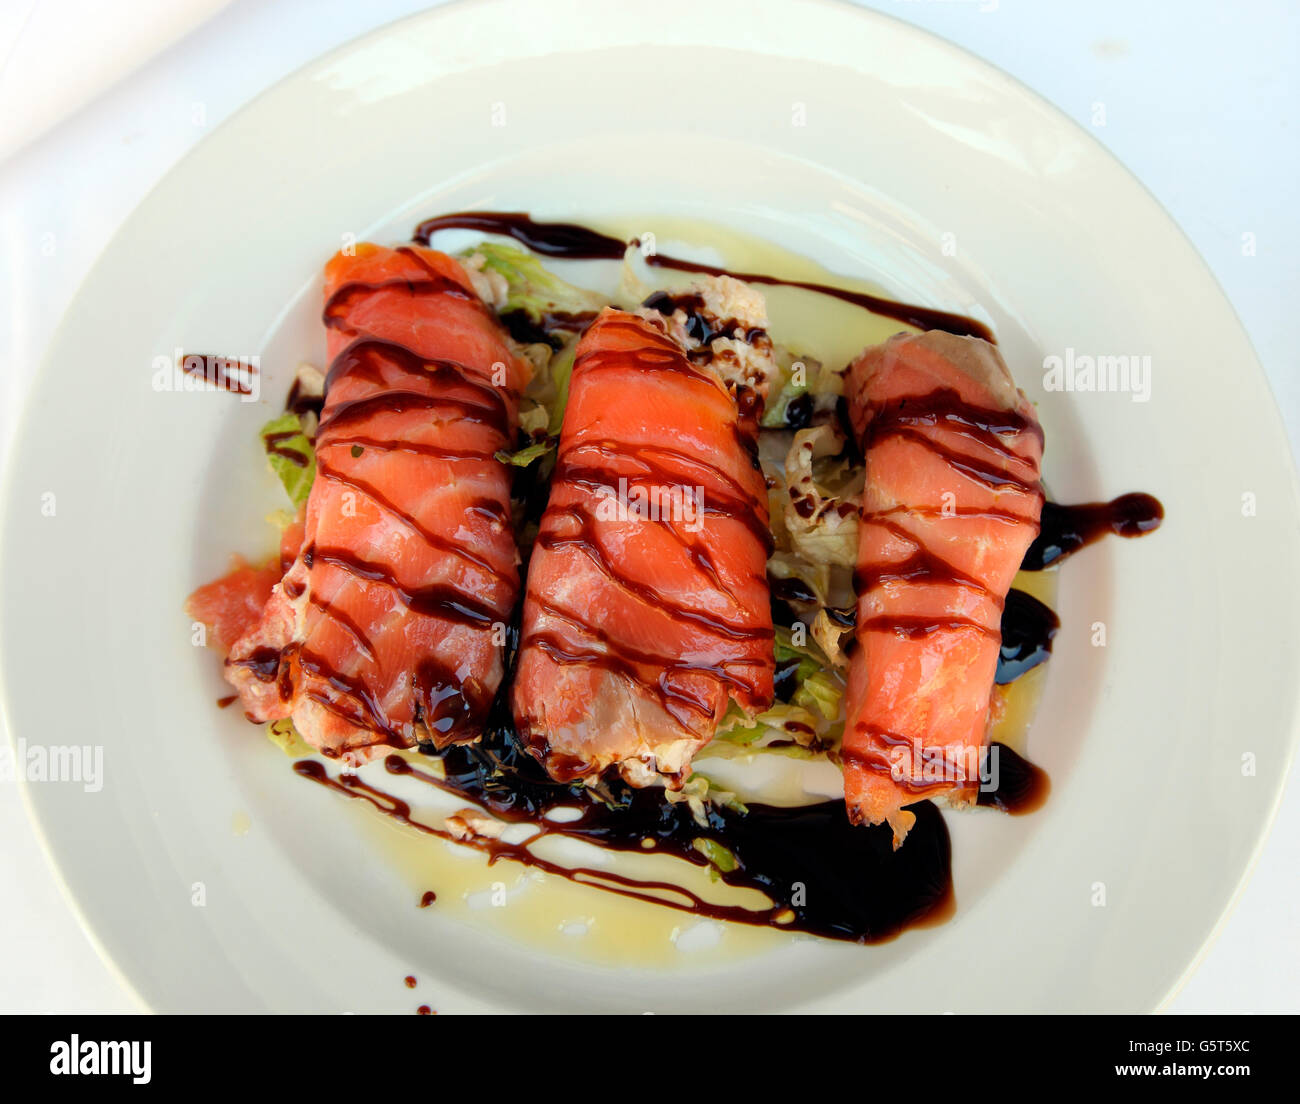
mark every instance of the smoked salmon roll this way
{"type": "Point", "coordinates": [389, 626]}
{"type": "Point", "coordinates": [951, 503]}
{"type": "Point", "coordinates": [647, 612]}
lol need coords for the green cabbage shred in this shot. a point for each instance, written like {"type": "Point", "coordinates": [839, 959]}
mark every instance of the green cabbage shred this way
{"type": "Point", "coordinates": [294, 477]}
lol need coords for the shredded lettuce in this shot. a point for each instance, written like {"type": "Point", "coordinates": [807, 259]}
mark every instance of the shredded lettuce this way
{"type": "Point", "coordinates": [716, 795]}
{"type": "Point", "coordinates": [530, 287]}
{"type": "Point", "coordinates": [830, 636]}
{"type": "Point", "coordinates": [525, 456]}
{"type": "Point", "coordinates": [774, 414]}
{"type": "Point", "coordinates": [816, 576]}
{"type": "Point", "coordinates": [285, 736]}
{"type": "Point", "coordinates": [788, 647]}
{"type": "Point", "coordinates": [808, 666]}
{"type": "Point", "coordinates": [800, 375]}
{"type": "Point", "coordinates": [805, 727]}
{"type": "Point", "coordinates": [542, 409]}
{"type": "Point", "coordinates": [534, 420]}
{"type": "Point", "coordinates": [783, 724]}
{"type": "Point", "coordinates": [284, 438]}
{"type": "Point", "coordinates": [820, 692]}
{"type": "Point", "coordinates": [725, 748]}
{"type": "Point", "coordinates": [693, 794]}
{"type": "Point", "coordinates": [721, 859]}
{"type": "Point", "coordinates": [819, 687]}
{"type": "Point", "coordinates": [699, 793]}
{"type": "Point", "coordinates": [561, 373]}
{"type": "Point", "coordinates": [822, 524]}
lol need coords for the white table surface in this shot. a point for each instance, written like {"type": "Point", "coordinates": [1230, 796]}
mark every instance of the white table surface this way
{"type": "Point", "coordinates": [1200, 102]}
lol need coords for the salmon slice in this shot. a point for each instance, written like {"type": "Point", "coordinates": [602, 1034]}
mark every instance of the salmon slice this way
{"type": "Point", "coordinates": [232, 606]}
{"type": "Point", "coordinates": [951, 504]}
{"type": "Point", "coordinates": [389, 626]}
{"type": "Point", "coordinates": [647, 606]}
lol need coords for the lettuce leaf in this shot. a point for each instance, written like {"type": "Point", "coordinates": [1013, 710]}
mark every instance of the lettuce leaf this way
{"type": "Point", "coordinates": [285, 736]}
{"type": "Point", "coordinates": [789, 565]}
{"type": "Point", "coordinates": [525, 456]}
{"type": "Point", "coordinates": [723, 747]}
{"type": "Point", "coordinates": [291, 455]}
{"type": "Point", "coordinates": [800, 376]}
{"type": "Point", "coordinates": [783, 723]}
{"type": "Point", "coordinates": [820, 692]}
{"type": "Point", "coordinates": [822, 523]}
{"type": "Point", "coordinates": [716, 795]}
{"type": "Point", "coordinates": [561, 373]}
{"type": "Point", "coordinates": [534, 420]}
{"type": "Point", "coordinates": [530, 287]}
{"type": "Point", "coordinates": [542, 411]}
{"type": "Point", "coordinates": [721, 859]}
{"type": "Point", "coordinates": [810, 657]}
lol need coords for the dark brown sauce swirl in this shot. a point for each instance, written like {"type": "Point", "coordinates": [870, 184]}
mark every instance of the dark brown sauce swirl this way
{"type": "Point", "coordinates": [823, 875]}
{"type": "Point", "coordinates": [571, 241]}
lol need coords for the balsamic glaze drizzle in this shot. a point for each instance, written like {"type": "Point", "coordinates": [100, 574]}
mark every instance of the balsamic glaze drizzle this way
{"type": "Point", "coordinates": [224, 373]}
{"type": "Point", "coordinates": [571, 241]}
{"type": "Point", "coordinates": [823, 875]}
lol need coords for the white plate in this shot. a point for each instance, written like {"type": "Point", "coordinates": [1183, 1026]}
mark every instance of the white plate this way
{"type": "Point", "coordinates": [843, 135]}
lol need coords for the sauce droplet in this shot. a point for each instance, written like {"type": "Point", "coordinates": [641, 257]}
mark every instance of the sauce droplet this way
{"type": "Point", "coordinates": [1066, 529]}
